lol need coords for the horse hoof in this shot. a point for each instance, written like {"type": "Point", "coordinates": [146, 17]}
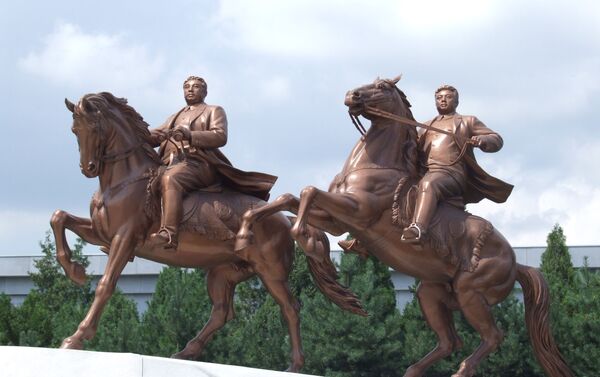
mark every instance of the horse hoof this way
{"type": "Point", "coordinates": [412, 372]}
{"type": "Point", "coordinates": [71, 344]}
{"type": "Point", "coordinates": [77, 274]}
{"type": "Point", "coordinates": [464, 371]}
{"type": "Point", "coordinates": [182, 355]}
{"type": "Point", "coordinates": [293, 369]}
{"type": "Point", "coordinates": [298, 231]}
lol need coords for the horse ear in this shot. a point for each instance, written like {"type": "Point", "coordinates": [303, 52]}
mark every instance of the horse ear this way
{"type": "Point", "coordinates": [396, 79]}
{"type": "Point", "coordinates": [70, 105]}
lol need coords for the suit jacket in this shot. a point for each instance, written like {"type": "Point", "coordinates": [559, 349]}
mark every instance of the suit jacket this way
{"type": "Point", "coordinates": [479, 183]}
{"type": "Point", "coordinates": [209, 132]}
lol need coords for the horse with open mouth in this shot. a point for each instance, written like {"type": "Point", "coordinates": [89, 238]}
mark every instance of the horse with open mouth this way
{"type": "Point", "coordinates": [372, 192]}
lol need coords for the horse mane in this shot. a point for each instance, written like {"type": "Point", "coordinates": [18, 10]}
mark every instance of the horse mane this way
{"type": "Point", "coordinates": [410, 151]}
{"type": "Point", "coordinates": [105, 102]}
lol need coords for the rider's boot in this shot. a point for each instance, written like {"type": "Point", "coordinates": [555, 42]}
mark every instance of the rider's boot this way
{"type": "Point", "coordinates": [172, 209]}
{"type": "Point", "coordinates": [425, 208]}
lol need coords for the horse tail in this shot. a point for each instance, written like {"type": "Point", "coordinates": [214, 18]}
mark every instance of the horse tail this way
{"type": "Point", "coordinates": [537, 301]}
{"type": "Point", "coordinates": [325, 275]}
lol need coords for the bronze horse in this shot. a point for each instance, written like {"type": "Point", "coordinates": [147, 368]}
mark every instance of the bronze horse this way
{"type": "Point", "coordinates": [114, 146]}
{"type": "Point", "coordinates": [360, 201]}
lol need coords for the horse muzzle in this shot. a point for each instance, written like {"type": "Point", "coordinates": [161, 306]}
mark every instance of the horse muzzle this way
{"type": "Point", "coordinates": [90, 169]}
{"type": "Point", "coordinates": [355, 102]}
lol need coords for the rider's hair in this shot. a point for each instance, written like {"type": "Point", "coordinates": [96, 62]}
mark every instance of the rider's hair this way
{"type": "Point", "coordinates": [197, 78]}
{"type": "Point", "coordinates": [447, 87]}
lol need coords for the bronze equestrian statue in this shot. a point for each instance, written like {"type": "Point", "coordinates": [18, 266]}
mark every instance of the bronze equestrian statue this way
{"type": "Point", "coordinates": [194, 161]}
{"type": "Point", "coordinates": [116, 146]}
{"type": "Point", "coordinates": [462, 262]}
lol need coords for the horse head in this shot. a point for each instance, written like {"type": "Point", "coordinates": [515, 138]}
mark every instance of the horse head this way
{"type": "Point", "coordinates": [89, 132]}
{"type": "Point", "coordinates": [383, 103]}
{"type": "Point", "coordinates": [107, 130]}
{"type": "Point", "coordinates": [381, 94]}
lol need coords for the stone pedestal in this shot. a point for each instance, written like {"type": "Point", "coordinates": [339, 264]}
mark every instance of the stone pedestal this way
{"type": "Point", "coordinates": [49, 362]}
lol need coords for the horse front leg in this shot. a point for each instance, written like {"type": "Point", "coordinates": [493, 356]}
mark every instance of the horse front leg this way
{"type": "Point", "coordinates": [285, 202]}
{"type": "Point", "coordinates": [336, 206]}
{"type": "Point", "coordinates": [60, 221]}
{"type": "Point", "coordinates": [121, 248]}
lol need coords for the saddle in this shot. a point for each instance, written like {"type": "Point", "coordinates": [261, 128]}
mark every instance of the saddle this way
{"type": "Point", "coordinates": [454, 234]}
{"type": "Point", "coordinates": [215, 215]}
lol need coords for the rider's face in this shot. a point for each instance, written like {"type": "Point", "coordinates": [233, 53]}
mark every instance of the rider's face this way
{"type": "Point", "coordinates": [194, 92]}
{"type": "Point", "coordinates": [446, 101]}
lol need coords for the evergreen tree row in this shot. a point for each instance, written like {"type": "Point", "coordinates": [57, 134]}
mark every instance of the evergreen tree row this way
{"type": "Point", "coordinates": [336, 343]}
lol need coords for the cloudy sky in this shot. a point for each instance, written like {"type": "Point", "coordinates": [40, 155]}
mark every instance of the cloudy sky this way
{"type": "Point", "coordinates": [529, 70]}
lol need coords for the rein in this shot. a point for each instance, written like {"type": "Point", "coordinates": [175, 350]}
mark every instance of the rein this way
{"type": "Point", "coordinates": [404, 120]}
{"type": "Point", "coordinates": [357, 124]}
{"type": "Point", "coordinates": [409, 122]}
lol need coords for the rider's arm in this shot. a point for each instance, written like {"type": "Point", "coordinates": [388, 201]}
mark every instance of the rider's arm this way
{"type": "Point", "coordinates": [490, 141]}
{"type": "Point", "coordinates": [216, 135]}
{"type": "Point", "coordinates": [157, 135]}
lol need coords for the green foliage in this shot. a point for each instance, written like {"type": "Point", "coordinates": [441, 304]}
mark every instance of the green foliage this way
{"type": "Point", "coordinates": [55, 306]}
{"type": "Point", "coordinates": [575, 308]}
{"type": "Point", "coordinates": [44, 307]}
{"type": "Point", "coordinates": [556, 264]}
{"type": "Point", "coordinates": [258, 336]}
{"type": "Point", "coordinates": [119, 329]}
{"type": "Point", "coordinates": [336, 343]}
{"type": "Point", "coordinates": [341, 344]}
{"type": "Point", "coordinates": [8, 335]}
{"type": "Point", "coordinates": [176, 312]}
{"type": "Point", "coordinates": [513, 355]}
{"type": "Point", "coordinates": [577, 323]}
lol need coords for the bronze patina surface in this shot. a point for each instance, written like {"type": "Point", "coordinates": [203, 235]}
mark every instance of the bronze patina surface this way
{"type": "Point", "coordinates": [203, 191]}
{"type": "Point", "coordinates": [396, 177]}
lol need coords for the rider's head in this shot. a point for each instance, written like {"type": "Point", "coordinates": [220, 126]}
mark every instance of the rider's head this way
{"type": "Point", "coordinates": [194, 90]}
{"type": "Point", "coordinates": [446, 99]}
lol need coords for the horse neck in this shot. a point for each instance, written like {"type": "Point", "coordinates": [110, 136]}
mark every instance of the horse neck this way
{"type": "Point", "coordinates": [382, 146]}
{"type": "Point", "coordinates": [133, 165]}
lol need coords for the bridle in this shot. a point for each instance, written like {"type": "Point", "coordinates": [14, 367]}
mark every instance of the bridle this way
{"type": "Point", "coordinates": [407, 122]}
{"type": "Point", "coordinates": [115, 156]}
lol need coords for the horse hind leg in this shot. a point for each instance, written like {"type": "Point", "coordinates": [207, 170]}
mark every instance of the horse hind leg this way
{"type": "Point", "coordinates": [478, 313]}
{"type": "Point", "coordinates": [435, 301]}
{"type": "Point", "coordinates": [221, 282]}
{"type": "Point", "coordinates": [290, 309]}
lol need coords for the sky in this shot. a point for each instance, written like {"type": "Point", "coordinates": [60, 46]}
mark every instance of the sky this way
{"type": "Point", "coordinates": [280, 69]}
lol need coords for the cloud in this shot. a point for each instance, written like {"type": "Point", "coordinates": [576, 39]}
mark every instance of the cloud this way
{"type": "Point", "coordinates": [566, 193]}
{"type": "Point", "coordinates": [275, 88]}
{"type": "Point", "coordinates": [72, 57]}
{"type": "Point", "coordinates": [21, 231]}
{"type": "Point", "coordinates": [289, 28]}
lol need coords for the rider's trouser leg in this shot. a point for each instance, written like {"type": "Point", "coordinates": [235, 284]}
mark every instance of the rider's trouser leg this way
{"type": "Point", "coordinates": [178, 180]}
{"type": "Point", "coordinates": [433, 188]}
{"type": "Point", "coordinates": [171, 217]}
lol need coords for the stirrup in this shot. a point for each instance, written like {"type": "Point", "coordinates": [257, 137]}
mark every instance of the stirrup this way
{"type": "Point", "coordinates": [164, 238]}
{"type": "Point", "coordinates": [415, 239]}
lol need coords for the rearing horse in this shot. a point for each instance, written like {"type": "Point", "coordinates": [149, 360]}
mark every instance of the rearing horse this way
{"type": "Point", "coordinates": [114, 146]}
{"type": "Point", "coordinates": [359, 200]}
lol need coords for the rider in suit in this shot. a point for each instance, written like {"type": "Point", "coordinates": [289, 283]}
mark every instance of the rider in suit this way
{"type": "Point", "coordinates": [189, 142]}
{"type": "Point", "coordinates": [450, 176]}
